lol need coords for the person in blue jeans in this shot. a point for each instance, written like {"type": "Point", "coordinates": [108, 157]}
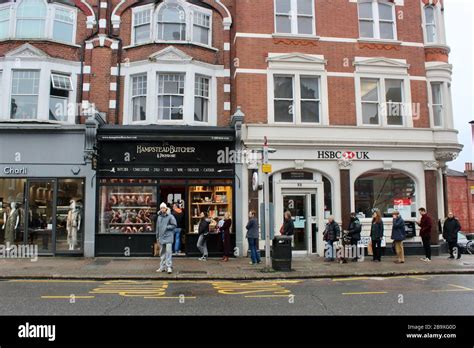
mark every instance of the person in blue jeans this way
{"type": "Point", "coordinates": [178, 214]}
{"type": "Point", "coordinates": [252, 237]}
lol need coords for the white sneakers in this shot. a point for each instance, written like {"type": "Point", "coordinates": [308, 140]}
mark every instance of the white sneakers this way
{"type": "Point", "coordinates": [162, 269]}
{"type": "Point", "coordinates": [204, 258]}
{"type": "Point", "coordinates": [425, 259]}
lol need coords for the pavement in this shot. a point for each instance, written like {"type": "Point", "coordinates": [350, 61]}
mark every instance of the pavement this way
{"type": "Point", "coordinates": [309, 267]}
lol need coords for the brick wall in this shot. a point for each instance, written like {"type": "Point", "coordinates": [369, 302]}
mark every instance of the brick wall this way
{"type": "Point", "coordinates": [461, 200]}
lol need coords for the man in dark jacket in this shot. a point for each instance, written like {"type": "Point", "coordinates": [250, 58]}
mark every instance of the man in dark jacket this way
{"type": "Point", "coordinates": [331, 234]}
{"type": "Point", "coordinates": [451, 229]}
{"type": "Point", "coordinates": [398, 236]}
{"type": "Point", "coordinates": [252, 237]}
{"type": "Point", "coordinates": [426, 224]}
{"type": "Point", "coordinates": [354, 230]}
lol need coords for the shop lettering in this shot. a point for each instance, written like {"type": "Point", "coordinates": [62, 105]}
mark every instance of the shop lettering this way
{"type": "Point", "coordinates": [348, 155]}
{"type": "Point", "coordinates": [165, 149]}
{"type": "Point", "coordinates": [15, 171]}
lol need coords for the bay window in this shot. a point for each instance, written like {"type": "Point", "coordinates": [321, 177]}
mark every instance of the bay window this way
{"type": "Point", "coordinates": [437, 104]}
{"type": "Point", "coordinates": [37, 19]}
{"type": "Point", "coordinates": [61, 85]}
{"type": "Point", "coordinates": [377, 20]}
{"type": "Point", "coordinates": [201, 99]}
{"type": "Point", "coordinates": [294, 17]}
{"type": "Point", "coordinates": [24, 94]}
{"type": "Point", "coordinates": [139, 91]}
{"type": "Point", "coordinates": [170, 96]}
{"type": "Point", "coordinates": [176, 21]}
{"type": "Point", "coordinates": [430, 24]}
{"type": "Point", "coordinates": [142, 26]}
{"type": "Point", "coordinates": [172, 23]}
{"type": "Point", "coordinates": [4, 23]}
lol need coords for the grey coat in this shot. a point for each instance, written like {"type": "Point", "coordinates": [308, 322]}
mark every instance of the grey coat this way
{"type": "Point", "coordinates": [165, 225]}
{"type": "Point", "coordinates": [252, 228]}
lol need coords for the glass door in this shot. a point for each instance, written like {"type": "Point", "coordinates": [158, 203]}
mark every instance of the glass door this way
{"type": "Point", "coordinates": [41, 212]}
{"type": "Point", "coordinates": [297, 206]}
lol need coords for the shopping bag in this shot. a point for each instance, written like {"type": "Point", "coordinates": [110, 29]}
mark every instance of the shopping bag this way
{"type": "Point", "coordinates": [156, 249]}
{"type": "Point", "coordinates": [370, 251]}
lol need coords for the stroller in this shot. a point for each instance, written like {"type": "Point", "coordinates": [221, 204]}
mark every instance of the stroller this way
{"type": "Point", "coordinates": [342, 248]}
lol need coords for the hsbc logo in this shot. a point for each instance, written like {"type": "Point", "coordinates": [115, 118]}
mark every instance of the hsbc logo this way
{"type": "Point", "coordinates": [344, 155]}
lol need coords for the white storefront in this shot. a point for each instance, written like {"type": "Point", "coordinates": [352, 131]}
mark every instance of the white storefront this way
{"type": "Point", "coordinates": [310, 161]}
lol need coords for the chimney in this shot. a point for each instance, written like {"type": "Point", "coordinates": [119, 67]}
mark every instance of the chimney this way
{"type": "Point", "coordinates": [468, 167]}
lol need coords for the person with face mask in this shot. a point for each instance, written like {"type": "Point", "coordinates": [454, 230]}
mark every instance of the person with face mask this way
{"type": "Point", "coordinates": [451, 229]}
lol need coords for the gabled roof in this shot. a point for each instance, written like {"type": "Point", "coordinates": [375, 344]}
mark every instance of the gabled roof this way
{"type": "Point", "coordinates": [170, 54]}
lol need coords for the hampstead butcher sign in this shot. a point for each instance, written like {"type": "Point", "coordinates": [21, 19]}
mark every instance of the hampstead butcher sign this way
{"type": "Point", "coordinates": [343, 155]}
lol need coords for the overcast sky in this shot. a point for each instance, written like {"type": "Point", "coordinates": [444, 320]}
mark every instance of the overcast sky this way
{"type": "Point", "coordinates": [460, 36]}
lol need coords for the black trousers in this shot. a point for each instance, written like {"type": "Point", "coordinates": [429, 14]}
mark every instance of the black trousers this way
{"type": "Point", "coordinates": [377, 249]}
{"type": "Point", "coordinates": [427, 246]}
{"type": "Point", "coordinates": [451, 246]}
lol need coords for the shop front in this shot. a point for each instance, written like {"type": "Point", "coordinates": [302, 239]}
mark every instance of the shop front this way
{"type": "Point", "coordinates": [45, 186]}
{"type": "Point", "coordinates": [139, 168]}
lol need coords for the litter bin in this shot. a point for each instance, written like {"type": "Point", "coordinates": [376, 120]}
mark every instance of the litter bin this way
{"type": "Point", "coordinates": [281, 253]}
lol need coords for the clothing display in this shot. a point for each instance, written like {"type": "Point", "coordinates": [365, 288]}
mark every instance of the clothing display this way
{"type": "Point", "coordinates": [73, 225]}
{"type": "Point", "coordinates": [10, 226]}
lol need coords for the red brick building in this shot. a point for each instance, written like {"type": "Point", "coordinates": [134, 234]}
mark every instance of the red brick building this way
{"type": "Point", "coordinates": [353, 95]}
{"type": "Point", "coordinates": [461, 196]}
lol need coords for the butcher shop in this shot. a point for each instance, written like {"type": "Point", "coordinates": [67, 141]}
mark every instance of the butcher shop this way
{"type": "Point", "coordinates": [138, 168]}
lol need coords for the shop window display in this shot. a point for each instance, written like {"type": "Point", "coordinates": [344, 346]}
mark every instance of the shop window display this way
{"type": "Point", "coordinates": [12, 219]}
{"type": "Point", "coordinates": [215, 200]}
{"type": "Point", "coordinates": [385, 191]}
{"type": "Point", "coordinates": [69, 215]}
{"type": "Point", "coordinates": [128, 209]}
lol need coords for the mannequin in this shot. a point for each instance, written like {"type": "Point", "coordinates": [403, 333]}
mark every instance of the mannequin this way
{"type": "Point", "coordinates": [11, 224]}
{"type": "Point", "coordinates": [73, 224]}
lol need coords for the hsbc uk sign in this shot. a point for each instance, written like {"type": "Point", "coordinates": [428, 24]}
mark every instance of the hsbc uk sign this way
{"type": "Point", "coordinates": [343, 155]}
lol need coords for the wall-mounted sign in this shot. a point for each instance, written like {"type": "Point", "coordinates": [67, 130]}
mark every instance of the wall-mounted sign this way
{"type": "Point", "coordinates": [346, 155]}
{"type": "Point", "coordinates": [15, 171]}
{"type": "Point", "coordinates": [297, 175]}
{"type": "Point", "coordinates": [267, 168]}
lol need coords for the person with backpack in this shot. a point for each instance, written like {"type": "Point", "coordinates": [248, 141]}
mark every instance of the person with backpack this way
{"type": "Point", "coordinates": [451, 229]}
{"type": "Point", "coordinates": [354, 230]}
{"type": "Point", "coordinates": [398, 236]}
{"type": "Point", "coordinates": [331, 234]}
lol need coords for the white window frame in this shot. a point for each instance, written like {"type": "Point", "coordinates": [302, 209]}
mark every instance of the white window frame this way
{"type": "Point", "coordinates": [190, 70]}
{"type": "Point", "coordinates": [133, 96]}
{"type": "Point", "coordinates": [207, 98]}
{"type": "Point", "coordinates": [183, 95]}
{"type": "Point", "coordinates": [379, 102]}
{"type": "Point", "coordinates": [294, 19]}
{"type": "Point", "coordinates": [297, 99]}
{"type": "Point", "coordinates": [49, 22]}
{"type": "Point", "coordinates": [46, 68]}
{"type": "Point", "coordinates": [189, 10]}
{"type": "Point", "coordinates": [136, 10]}
{"type": "Point", "coordinates": [439, 25]}
{"type": "Point", "coordinates": [382, 100]}
{"type": "Point", "coordinates": [440, 72]}
{"type": "Point", "coordinates": [442, 104]}
{"type": "Point", "coordinates": [376, 20]}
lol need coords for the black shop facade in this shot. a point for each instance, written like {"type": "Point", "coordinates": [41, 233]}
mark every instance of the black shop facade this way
{"type": "Point", "coordinates": [140, 167]}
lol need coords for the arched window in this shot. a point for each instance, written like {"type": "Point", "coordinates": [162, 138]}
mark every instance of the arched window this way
{"type": "Point", "coordinates": [386, 191]}
{"type": "Point", "coordinates": [172, 23]}
{"type": "Point", "coordinates": [430, 24]}
{"type": "Point", "coordinates": [31, 19]}
{"type": "Point", "coordinates": [377, 20]}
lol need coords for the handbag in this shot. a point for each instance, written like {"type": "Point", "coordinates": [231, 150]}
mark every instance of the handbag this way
{"type": "Point", "coordinates": [156, 249]}
{"type": "Point", "coordinates": [370, 250]}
